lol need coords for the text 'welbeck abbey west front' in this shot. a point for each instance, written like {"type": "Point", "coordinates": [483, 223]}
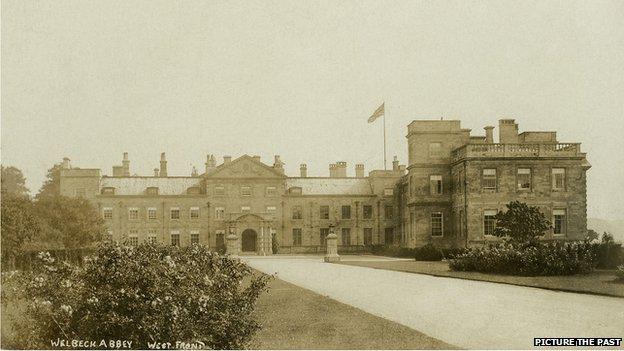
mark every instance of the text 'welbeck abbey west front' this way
{"type": "Point", "coordinates": [453, 185]}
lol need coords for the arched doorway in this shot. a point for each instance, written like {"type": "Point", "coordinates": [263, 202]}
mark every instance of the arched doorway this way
{"type": "Point", "coordinates": [248, 240]}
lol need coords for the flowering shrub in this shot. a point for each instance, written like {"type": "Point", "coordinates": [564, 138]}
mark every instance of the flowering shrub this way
{"type": "Point", "coordinates": [528, 260]}
{"type": "Point", "coordinates": [143, 294]}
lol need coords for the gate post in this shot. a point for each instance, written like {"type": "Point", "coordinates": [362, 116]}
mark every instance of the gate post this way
{"type": "Point", "coordinates": [332, 247]}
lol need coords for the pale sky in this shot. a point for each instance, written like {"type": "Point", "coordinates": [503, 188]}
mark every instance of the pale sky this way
{"type": "Point", "coordinates": [92, 79]}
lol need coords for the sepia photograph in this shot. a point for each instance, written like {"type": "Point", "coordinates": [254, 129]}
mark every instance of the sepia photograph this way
{"type": "Point", "coordinates": [312, 175]}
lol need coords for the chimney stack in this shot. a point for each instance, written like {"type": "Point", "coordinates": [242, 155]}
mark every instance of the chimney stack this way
{"type": "Point", "coordinates": [163, 165]}
{"type": "Point", "coordinates": [194, 172]}
{"type": "Point", "coordinates": [125, 163]}
{"type": "Point", "coordinates": [227, 159]}
{"type": "Point", "coordinates": [303, 169]}
{"type": "Point", "coordinates": [256, 158]}
{"type": "Point", "coordinates": [489, 134]}
{"type": "Point", "coordinates": [278, 164]}
{"type": "Point", "coordinates": [211, 163]}
{"type": "Point", "coordinates": [338, 170]}
{"type": "Point", "coordinates": [359, 170]}
{"type": "Point", "coordinates": [65, 164]}
{"type": "Point", "coordinates": [395, 164]}
{"type": "Point", "coordinates": [507, 131]}
{"type": "Point", "coordinates": [155, 172]}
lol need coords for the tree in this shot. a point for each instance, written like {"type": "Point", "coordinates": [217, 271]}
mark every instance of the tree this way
{"type": "Point", "coordinates": [521, 224]}
{"type": "Point", "coordinates": [13, 181]}
{"type": "Point", "coordinates": [592, 235]}
{"type": "Point", "coordinates": [19, 225]}
{"type": "Point", "coordinates": [72, 222]}
{"type": "Point", "coordinates": [52, 186]}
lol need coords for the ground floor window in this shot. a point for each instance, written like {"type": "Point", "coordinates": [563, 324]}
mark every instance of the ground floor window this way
{"type": "Point", "coordinates": [368, 236]}
{"type": "Point", "coordinates": [346, 236]}
{"type": "Point", "coordinates": [296, 236]}
{"type": "Point", "coordinates": [323, 233]}
{"type": "Point", "coordinates": [389, 236]}
{"type": "Point", "coordinates": [175, 238]}
{"type": "Point", "coordinates": [437, 224]}
{"type": "Point", "coordinates": [559, 222]}
{"type": "Point", "coordinates": [195, 237]}
{"type": "Point", "coordinates": [489, 222]}
{"type": "Point", "coordinates": [220, 240]}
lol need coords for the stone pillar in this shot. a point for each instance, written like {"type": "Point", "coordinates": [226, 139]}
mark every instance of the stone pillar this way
{"type": "Point", "coordinates": [231, 245]}
{"type": "Point", "coordinates": [332, 247]}
{"type": "Point", "coordinates": [262, 252]}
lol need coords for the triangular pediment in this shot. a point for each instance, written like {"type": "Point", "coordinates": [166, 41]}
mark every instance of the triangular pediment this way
{"type": "Point", "coordinates": [244, 167]}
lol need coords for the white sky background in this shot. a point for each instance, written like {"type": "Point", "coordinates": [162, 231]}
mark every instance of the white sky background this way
{"type": "Point", "coordinates": [89, 80]}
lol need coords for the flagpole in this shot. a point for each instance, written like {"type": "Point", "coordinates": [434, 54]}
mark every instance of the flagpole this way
{"type": "Point", "coordinates": [384, 136]}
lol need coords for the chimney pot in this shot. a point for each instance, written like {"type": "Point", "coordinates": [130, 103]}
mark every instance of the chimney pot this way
{"type": "Point", "coordinates": [303, 169]}
{"type": "Point", "coordinates": [395, 163]}
{"type": "Point", "coordinates": [65, 164]}
{"type": "Point", "coordinates": [489, 134]}
{"type": "Point", "coordinates": [359, 170]}
{"type": "Point", "coordinates": [163, 165]}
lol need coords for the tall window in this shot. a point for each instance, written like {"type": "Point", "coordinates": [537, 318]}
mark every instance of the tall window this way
{"type": "Point", "coordinates": [107, 213]}
{"type": "Point", "coordinates": [435, 150]}
{"type": "Point", "coordinates": [435, 184]}
{"type": "Point", "coordinates": [346, 236]}
{"type": "Point", "coordinates": [389, 211]}
{"type": "Point", "coordinates": [246, 190]}
{"type": "Point", "coordinates": [296, 236]}
{"type": "Point", "coordinates": [133, 213]}
{"type": "Point", "coordinates": [367, 211]}
{"type": "Point", "coordinates": [296, 212]}
{"type": "Point", "coordinates": [194, 212]}
{"type": "Point", "coordinates": [389, 236]}
{"type": "Point", "coordinates": [489, 222]}
{"type": "Point", "coordinates": [524, 179]}
{"type": "Point", "coordinates": [219, 190]}
{"type": "Point", "coordinates": [324, 212]}
{"type": "Point", "coordinates": [437, 225]}
{"type": "Point", "coordinates": [412, 224]}
{"type": "Point", "coordinates": [346, 212]}
{"type": "Point", "coordinates": [151, 236]}
{"type": "Point", "coordinates": [151, 213]}
{"type": "Point", "coordinates": [219, 212]}
{"type": "Point", "coordinates": [558, 178]}
{"type": "Point", "coordinates": [194, 236]}
{"type": "Point", "coordinates": [271, 191]}
{"type": "Point", "coordinates": [368, 236]}
{"type": "Point", "coordinates": [488, 178]}
{"type": "Point", "coordinates": [174, 213]}
{"type": "Point", "coordinates": [323, 233]}
{"type": "Point", "coordinates": [133, 237]}
{"type": "Point", "coordinates": [175, 238]}
{"type": "Point", "coordinates": [559, 222]}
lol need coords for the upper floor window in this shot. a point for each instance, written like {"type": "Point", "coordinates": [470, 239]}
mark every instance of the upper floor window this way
{"type": "Point", "coordinates": [151, 213]}
{"type": "Point", "coordinates": [367, 211]}
{"type": "Point", "coordinates": [324, 212]}
{"type": "Point", "coordinates": [109, 190]}
{"type": "Point", "coordinates": [107, 213]}
{"type": "Point", "coordinates": [489, 222]}
{"type": "Point", "coordinates": [558, 178]}
{"type": "Point", "coordinates": [559, 222]}
{"type": "Point", "coordinates": [219, 190]}
{"type": "Point", "coordinates": [435, 149]}
{"type": "Point", "coordinates": [435, 184]}
{"type": "Point", "coordinates": [194, 212]}
{"type": "Point", "coordinates": [245, 209]}
{"type": "Point", "coordinates": [271, 191]}
{"type": "Point", "coordinates": [80, 192]}
{"type": "Point", "coordinates": [524, 179]}
{"type": "Point", "coordinates": [388, 191]}
{"type": "Point", "coordinates": [133, 213]}
{"type": "Point", "coordinates": [488, 178]}
{"type": "Point", "coordinates": [296, 212]}
{"type": "Point", "coordinates": [152, 190]}
{"type": "Point", "coordinates": [346, 212]}
{"type": "Point", "coordinates": [219, 212]}
{"type": "Point", "coordinates": [174, 213]}
{"type": "Point", "coordinates": [296, 236]}
{"type": "Point", "coordinates": [389, 211]}
{"type": "Point", "coordinates": [246, 190]}
{"type": "Point", "coordinates": [271, 209]}
{"type": "Point", "coordinates": [437, 223]}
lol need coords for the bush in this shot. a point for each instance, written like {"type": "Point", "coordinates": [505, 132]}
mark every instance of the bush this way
{"type": "Point", "coordinates": [431, 253]}
{"type": "Point", "coordinates": [620, 273]}
{"type": "Point", "coordinates": [142, 294]}
{"type": "Point", "coordinates": [540, 259]}
{"type": "Point", "coordinates": [609, 254]}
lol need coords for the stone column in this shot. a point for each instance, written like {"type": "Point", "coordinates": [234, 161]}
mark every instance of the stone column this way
{"type": "Point", "coordinates": [231, 244]}
{"type": "Point", "coordinates": [332, 247]}
{"type": "Point", "coordinates": [262, 252]}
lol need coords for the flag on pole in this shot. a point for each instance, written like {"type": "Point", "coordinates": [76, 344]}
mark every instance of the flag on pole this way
{"type": "Point", "coordinates": [380, 111]}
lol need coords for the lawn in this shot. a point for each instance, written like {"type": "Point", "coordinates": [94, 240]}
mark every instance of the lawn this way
{"type": "Point", "coordinates": [297, 318]}
{"type": "Point", "coordinates": [599, 282]}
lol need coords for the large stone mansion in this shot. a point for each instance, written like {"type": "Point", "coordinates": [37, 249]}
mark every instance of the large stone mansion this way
{"type": "Point", "coordinates": [452, 186]}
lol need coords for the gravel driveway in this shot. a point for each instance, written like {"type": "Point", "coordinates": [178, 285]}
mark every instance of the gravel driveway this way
{"type": "Point", "coordinates": [465, 313]}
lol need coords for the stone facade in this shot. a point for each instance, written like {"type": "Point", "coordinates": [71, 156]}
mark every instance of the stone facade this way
{"type": "Point", "coordinates": [452, 182]}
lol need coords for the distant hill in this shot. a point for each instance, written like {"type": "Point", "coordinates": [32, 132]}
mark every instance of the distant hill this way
{"type": "Point", "coordinates": [615, 227]}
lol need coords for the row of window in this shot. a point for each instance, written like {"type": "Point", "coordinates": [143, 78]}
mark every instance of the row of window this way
{"type": "Point", "coordinates": [345, 236]}
{"type": "Point", "coordinates": [559, 221]}
{"type": "Point", "coordinates": [151, 213]}
{"type": "Point", "coordinates": [345, 212]}
{"type": "Point", "coordinates": [152, 236]}
{"type": "Point", "coordinates": [245, 190]}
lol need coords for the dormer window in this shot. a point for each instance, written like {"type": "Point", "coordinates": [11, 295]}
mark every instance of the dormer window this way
{"type": "Point", "coordinates": [194, 190]}
{"type": "Point", "coordinates": [295, 190]}
{"type": "Point", "coordinates": [109, 190]}
{"type": "Point", "coordinates": [152, 190]}
{"type": "Point", "coordinates": [245, 190]}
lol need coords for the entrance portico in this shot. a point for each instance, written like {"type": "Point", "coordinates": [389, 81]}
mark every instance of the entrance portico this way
{"type": "Point", "coordinates": [253, 234]}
